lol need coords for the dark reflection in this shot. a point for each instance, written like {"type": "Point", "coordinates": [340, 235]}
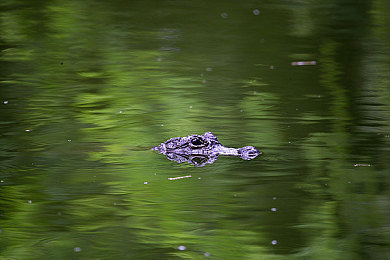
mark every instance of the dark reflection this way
{"type": "Point", "coordinates": [201, 149]}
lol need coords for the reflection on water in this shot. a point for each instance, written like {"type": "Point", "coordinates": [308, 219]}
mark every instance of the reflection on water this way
{"type": "Point", "coordinates": [87, 88]}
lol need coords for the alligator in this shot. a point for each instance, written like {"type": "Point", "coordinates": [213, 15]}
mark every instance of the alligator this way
{"type": "Point", "coordinates": [203, 149]}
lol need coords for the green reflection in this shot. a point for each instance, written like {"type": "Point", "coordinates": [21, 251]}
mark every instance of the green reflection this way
{"type": "Point", "coordinates": [87, 88]}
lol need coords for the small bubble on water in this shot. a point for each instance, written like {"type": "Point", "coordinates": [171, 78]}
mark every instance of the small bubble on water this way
{"type": "Point", "coordinates": [155, 174]}
{"type": "Point", "coordinates": [199, 178]}
{"type": "Point", "coordinates": [274, 209]}
{"type": "Point", "coordinates": [77, 249]}
{"type": "Point", "coordinates": [224, 15]}
{"type": "Point", "coordinates": [145, 182]}
{"type": "Point", "coordinates": [27, 130]}
{"type": "Point", "coordinates": [29, 201]}
{"type": "Point", "coordinates": [190, 106]}
{"type": "Point", "coordinates": [5, 102]}
{"type": "Point", "coordinates": [274, 242]}
{"type": "Point", "coordinates": [181, 248]}
{"type": "Point", "coordinates": [2, 181]}
{"type": "Point", "coordinates": [206, 254]}
{"type": "Point", "coordinates": [162, 124]}
{"type": "Point", "coordinates": [256, 12]}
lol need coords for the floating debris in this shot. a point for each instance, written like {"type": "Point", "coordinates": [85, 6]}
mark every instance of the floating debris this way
{"type": "Point", "coordinates": [224, 15]}
{"type": "Point", "coordinates": [27, 130]}
{"type": "Point", "coordinates": [145, 182]}
{"type": "Point", "coordinates": [303, 63]}
{"type": "Point", "coordinates": [274, 209]}
{"type": "Point", "coordinates": [274, 242]}
{"type": "Point", "coordinates": [5, 102]}
{"type": "Point", "coordinates": [180, 177]}
{"type": "Point", "coordinates": [182, 248]}
{"type": "Point", "coordinates": [362, 165]}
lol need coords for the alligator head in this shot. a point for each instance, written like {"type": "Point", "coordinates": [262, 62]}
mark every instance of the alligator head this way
{"type": "Point", "coordinates": [201, 149]}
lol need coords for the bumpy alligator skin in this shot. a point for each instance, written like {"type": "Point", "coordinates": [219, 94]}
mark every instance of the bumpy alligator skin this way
{"type": "Point", "coordinates": [201, 149]}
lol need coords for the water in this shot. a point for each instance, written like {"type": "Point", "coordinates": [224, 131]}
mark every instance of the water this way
{"type": "Point", "coordinates": [88, 87]}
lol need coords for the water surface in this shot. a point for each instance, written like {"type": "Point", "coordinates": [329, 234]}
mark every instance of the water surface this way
{"type": "Point", "coordinates": [87, 88]}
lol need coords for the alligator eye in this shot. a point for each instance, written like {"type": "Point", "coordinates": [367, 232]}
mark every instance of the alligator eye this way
{"type": "Point", "coordinates": [197, 142]}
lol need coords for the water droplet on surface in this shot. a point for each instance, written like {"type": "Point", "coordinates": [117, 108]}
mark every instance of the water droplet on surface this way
{"type": "Point", "coordinates": [256, 12]}
{"type": "Point", "coordinates": [181, 248]}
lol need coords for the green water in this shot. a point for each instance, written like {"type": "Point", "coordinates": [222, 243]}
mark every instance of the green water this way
{"type": "Point", "coordinates": [88, 87]}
